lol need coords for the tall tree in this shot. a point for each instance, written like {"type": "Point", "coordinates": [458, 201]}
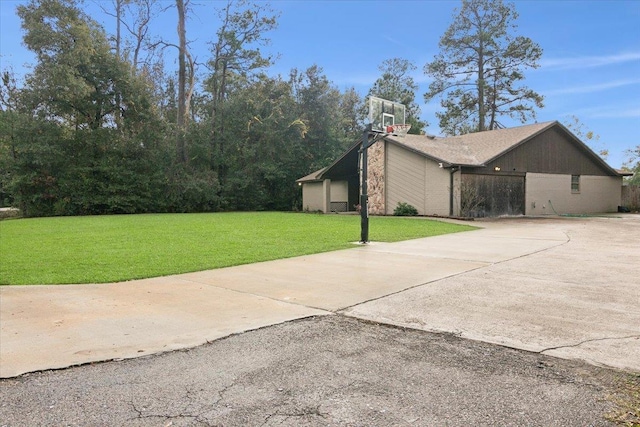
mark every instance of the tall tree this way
{"type": "Point", "coordinates": [319, 106]}
{"type": "Point", "coordinates": [480, 67]}
{"type": "Point", "coordinates": [183, 78]}
{"type": "Point", "coordinates": [135, 16]}
{"type": "Point", "coordinates": [352, 114]}
{"type": "Point", "coordinates": [235, 52]}
{"type": "Point", "coordinates": [396, 84]}
{"type": "Point", "coordinates": [79, 156]}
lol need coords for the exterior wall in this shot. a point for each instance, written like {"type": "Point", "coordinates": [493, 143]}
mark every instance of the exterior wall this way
{"type": "Point", "coordinates": [339, 191]}
{"type": "Point", "coordinates": [318, 196]}
{"type": "Point", "coordinates": [339, 198]}
{"type": "Point", "coordinates": [436, 197]}
{"type": "Point", "coordinates": [376, 178]}
{"type": "Point", "coordinates": [597, 194]}
{"type": "Point", "coordinates": [416, 180]}
{"type": "Point", "coordinates": [405, 179]}
{"type": "Point", "coordinates": [312, 196]}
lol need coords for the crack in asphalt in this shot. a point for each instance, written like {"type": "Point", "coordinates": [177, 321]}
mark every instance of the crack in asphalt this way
{"type": "Point", "coordinates": [303, 412]}
{"type": "Point", "coordinates": [194, 413]}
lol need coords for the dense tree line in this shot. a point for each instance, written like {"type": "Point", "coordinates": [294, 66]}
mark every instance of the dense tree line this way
{"type": "Point", "coordinates": [99, 126]}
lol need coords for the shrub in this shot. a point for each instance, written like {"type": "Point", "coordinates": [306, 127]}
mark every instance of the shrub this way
{"type": "Point", "coordinates": [405, 209]}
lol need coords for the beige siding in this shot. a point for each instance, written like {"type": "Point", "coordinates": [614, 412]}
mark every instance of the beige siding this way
{"type": "Point", "coordinates": [339, 191]}
{"type": "Point", "coordinates": [312, 196]}
{"type": "Point", "coordinates": [436, 198]}
{"type": "Point", "coordinates": [548, 194]}
{"type": "Point", "coordinates": [405, 179]}
{"type": "Point", "coordinates": [416, 180]}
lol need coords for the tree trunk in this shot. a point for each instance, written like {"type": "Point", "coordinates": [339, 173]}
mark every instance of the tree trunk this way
{"type": "Point", "coordinates": [118, 100]}
{"type": "Point", "coordinates": [481, 110]}
{"type": "Point", "coordinates": [182, 81]}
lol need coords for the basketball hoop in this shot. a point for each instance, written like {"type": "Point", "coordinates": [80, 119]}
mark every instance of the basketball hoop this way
{"type": "Point", "coordinates": [399, 130]}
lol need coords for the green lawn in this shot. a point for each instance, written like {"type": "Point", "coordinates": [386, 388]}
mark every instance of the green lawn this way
{"type": "Point", "coordinates": [98, 249]}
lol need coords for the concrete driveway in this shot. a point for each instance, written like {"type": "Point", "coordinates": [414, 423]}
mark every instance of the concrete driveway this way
{"type": "Point", "coordinates": [576, 300]}
{"type": "Point", "coordinates": [566, 287]}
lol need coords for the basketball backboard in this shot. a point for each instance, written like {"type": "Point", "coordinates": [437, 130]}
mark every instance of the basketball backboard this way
{"type": "Point", "coordinates": [383, 113]}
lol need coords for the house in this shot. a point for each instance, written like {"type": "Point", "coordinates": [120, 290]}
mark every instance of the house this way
{"type": "Point", "coordinates": [534, 169]}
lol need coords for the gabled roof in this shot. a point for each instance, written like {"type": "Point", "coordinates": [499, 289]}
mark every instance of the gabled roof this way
{"type": "Point", "coordinates": [472, 149]}
{"type": "Point", "coordinates": [479, 148]}
{"type": "Point", "coordinates": [313, 176]}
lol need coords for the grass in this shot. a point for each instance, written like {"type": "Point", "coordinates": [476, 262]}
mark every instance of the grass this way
{"type": "Point", "coordinates": [626, 398]}
{"type": "Point", "coordinates": [100, 249]}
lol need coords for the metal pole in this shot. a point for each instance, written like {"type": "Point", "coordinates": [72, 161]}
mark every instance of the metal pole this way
{"type": "Point", "coordinates": [364, 205]}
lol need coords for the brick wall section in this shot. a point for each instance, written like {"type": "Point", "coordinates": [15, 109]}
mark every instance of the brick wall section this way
{"type": "Point", "coordinates": [375, 182]}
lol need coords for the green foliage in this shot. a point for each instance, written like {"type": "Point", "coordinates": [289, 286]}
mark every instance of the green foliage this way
{"type": "Point", "coordinates": [479, 67]}
{"type": "Point", "coordinates": [633, 165]}
{"type": "Point", "coordinates": [88, 132]}
{"type": "Point", "coordinates": [94, 249]}
{"type": "Point", "coordinates": [405, 209]}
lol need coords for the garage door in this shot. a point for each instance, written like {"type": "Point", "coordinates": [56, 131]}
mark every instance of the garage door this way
{"type": "Point", "coordinates": [492, 195]}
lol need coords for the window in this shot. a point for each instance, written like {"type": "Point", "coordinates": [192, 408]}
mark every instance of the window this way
{"type": "Point", "coordinates": [575, 183]}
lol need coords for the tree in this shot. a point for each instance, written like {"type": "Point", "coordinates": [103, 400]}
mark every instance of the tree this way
{"type": "Point", "coordinates": [352, 114]}
{"type": "Point", "coordinates": [396, 84]}
{"type": "Point", "coordinates": [479, 68]}
{"type": "Point", "coordinates": [90, 142]}
{"type": "Point", "coordinates": [266, 143]}
{"type": "Point", "coordinates": [587, 136]}
{"type": "Point", "coordinates": [186, 80]}
{"type": "Point", "coordinates": [235, 53]}
{"type": "Point", "coordinates": [135, 16]}
{"type": "Point", "coordinates": [78, 80]}
{"type": "Point", "coordinates": [319, 105]}
{"type": "Point", "coordinates": [633, 165]}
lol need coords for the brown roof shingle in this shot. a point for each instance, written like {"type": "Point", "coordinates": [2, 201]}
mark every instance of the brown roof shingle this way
{"type": "Point", "coordinates": [473, 149]}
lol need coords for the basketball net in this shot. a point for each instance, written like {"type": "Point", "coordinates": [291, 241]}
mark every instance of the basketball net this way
{"type": "Point", "coordinates": [399, 130]}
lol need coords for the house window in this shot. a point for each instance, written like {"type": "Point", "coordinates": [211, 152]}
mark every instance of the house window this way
{"type": "Point", "coordinates": [575, 183]}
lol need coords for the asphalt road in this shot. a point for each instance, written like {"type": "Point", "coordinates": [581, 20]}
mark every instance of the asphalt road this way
{"type": "Point", "coordinates": [323, 371]}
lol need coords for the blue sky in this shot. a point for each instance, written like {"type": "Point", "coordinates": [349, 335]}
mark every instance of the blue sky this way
{"type": "Point", "coordinates": [590, 66]}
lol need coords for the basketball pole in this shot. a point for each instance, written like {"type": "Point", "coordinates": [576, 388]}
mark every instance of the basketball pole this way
{"type": "Point", "coordinates": [364, 205]}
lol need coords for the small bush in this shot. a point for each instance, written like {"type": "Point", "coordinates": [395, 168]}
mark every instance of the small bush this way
{"type": "Point", "coordinates": [405, 209]}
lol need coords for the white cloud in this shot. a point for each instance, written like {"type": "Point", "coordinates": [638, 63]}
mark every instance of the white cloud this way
{"type": "Point", "coordinates": [617, 113]}
{"type": "Point", "coordinates": [607, 112]}
{"type": "Point", "coordinates": [593, 88]}
{"type": "Point", "coordinates": [587, 61]}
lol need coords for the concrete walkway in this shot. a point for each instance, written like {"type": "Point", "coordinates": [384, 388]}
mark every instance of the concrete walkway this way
{"type": "Point", "coordinates": [566, 287]}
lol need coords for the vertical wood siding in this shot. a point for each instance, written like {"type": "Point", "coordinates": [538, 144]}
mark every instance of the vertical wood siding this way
{"type": "Point", "coordinates": [550, 152]}
{"type": "Point", "coordinates": [496, 195]}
